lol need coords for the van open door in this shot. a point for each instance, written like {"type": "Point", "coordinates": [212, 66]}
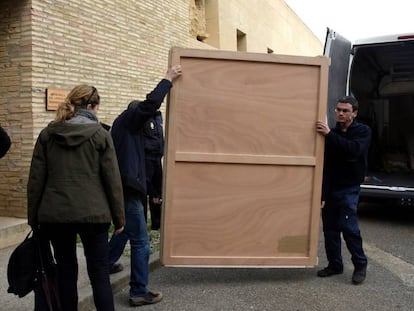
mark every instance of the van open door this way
{"type": "Point", "coordinates": [338, 49]}
{"type": "Point", "coordinates": [379, 72]}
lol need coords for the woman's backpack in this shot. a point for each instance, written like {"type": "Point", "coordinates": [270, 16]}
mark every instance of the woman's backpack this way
{"type": "Point", "coordinates": [23, 266]}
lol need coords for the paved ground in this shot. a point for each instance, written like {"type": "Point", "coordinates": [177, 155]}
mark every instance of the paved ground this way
{"type": "Point", "coordinates": [389, 286]}
{"type": "Point", "coordinates": [10, 302]}
{"type": "Point", "coordinates": [388, 233]}
{"type": "Point", "coordinates": [388, 242]}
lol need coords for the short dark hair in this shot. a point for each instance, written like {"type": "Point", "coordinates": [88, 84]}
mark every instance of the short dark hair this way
{"type": "Point", "coordinates": [134, 104]}
{"type": "Point", "coordinates": [349, 100]}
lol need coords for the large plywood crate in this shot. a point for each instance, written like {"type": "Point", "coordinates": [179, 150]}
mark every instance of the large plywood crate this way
{"type": "Point", "coordinates": [243, 164]}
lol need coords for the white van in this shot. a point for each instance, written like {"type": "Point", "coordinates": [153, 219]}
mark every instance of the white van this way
{"type": "Point", "coordinates": [379, 72]}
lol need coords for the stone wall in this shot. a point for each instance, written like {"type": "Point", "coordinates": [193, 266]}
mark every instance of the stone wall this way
{"type": "Point", "coordinates": [270, 26]}
{"type": "Point", "coordinates": [120, 47]}
{"type": "Point", "coordinates": [15, 103]}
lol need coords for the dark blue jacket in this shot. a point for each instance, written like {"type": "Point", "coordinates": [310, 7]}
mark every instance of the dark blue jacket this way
{"type": "Point", "coordinates": [154, 137]}
{"type": "Point", "coordinates": [5, 142]}
{"type": "Point", "coordinates": [127, 134]}
{"type": "Point", "coordinates": [346, 153]}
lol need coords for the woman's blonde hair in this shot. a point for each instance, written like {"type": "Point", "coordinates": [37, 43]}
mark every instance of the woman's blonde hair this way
{"type": "Point", "coordinates": [80, 97]}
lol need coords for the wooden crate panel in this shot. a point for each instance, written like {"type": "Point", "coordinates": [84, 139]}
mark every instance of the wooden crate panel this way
{"type": "Point", "coordinates": [260, 215]}
{"type": "Point", "coordinates": [248, 110]}
{"type": "Point", "coordinates": [243, 163]}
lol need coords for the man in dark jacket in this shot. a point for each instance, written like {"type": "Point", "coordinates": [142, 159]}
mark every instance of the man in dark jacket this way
{"type": "Point", "coordinates": [346, 152]}
{"type": "Point", "coordinates": [127, 134]}
{"type": "Point", "coordinates": [5, 142]}
{"type": "Point", "coordinates": [154, 151]}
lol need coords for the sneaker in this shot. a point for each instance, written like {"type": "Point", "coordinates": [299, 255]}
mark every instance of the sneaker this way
{"type": "Point", "coordinates": [359, 275]}
{"type": "Point", "coordinates": [148, 299]}
{"type": "Point", "coordinates": [117, 267]}
{"type": "Point", "coordinates": [328, 271]}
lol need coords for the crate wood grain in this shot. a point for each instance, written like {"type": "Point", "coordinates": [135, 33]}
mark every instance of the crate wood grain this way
{"type": "Point", "coordinates": [243, 163]}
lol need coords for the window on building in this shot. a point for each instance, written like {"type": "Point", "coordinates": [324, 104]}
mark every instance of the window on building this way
{"type": "Point", "coordinates": [241, 41]}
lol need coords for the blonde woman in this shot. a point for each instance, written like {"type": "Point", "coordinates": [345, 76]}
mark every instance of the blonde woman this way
{"type": "Point", "coordinates": [75, 188]}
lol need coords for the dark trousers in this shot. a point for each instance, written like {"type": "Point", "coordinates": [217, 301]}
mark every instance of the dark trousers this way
{"type": "Point", "coordinates": [46, 292]}
{"type": "Point", "coordinates": [94, 238]}
{"type": "Point", "coordinates": [154, 190]}
{"type": "Point", "coordinates": [339, 215]}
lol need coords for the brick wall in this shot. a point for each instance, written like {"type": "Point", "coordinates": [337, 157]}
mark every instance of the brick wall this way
{"type": "Point", "coordinates": [120, 47]}
{"type": "Point", "coordinates": [270, 25]}
{"type": "Point", "coordinates": [15, 103]}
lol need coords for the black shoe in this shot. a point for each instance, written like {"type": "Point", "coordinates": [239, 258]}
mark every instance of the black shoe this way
{"type": "Point", "coordinates": [328, 271]}
{"type": "Point", "coordinates": [148, 299]}
{"type": "Point", "coordinates": [117, 267]}
{"type": "Point", "coordinates": [359, 275]}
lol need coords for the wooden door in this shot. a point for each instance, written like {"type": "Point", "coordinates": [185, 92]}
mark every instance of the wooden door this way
{"type": "Point", "coordinates": [243, 163]}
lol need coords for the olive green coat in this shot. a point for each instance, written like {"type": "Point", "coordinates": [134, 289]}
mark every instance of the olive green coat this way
{"type": "Point", "coordinates": [74, 176]}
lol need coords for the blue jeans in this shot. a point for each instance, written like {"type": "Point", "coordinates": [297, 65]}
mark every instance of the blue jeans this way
{"type": "Point", "coordinates": [340, 215]}
{"type": "Point", "coordinates": [136, 232]}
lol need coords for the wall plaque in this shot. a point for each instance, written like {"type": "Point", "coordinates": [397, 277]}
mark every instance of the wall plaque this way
{"type": "Point", "coordinates": [54, 97]}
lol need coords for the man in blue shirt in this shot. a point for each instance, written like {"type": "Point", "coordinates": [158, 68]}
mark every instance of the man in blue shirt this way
{"type": "Point", "coordinates": [345, 164]}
